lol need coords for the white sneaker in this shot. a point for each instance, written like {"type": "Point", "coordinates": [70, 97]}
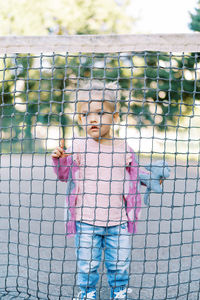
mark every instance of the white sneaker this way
{"type": "Point", "coordinates": [122, 294]}
{"type": "Point", "coordinates": [83, 296]}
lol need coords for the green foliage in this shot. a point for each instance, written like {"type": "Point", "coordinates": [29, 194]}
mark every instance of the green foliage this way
{"type": "Point", "coordinates": [36, 17]}
{"type": "Point", "coordinates": [166, 85]}
{"type": "Point", "coordinates": [195, 19]}
{"type": "Point", "coordinates": [37, 89]}
{"type": "Point", "coordinates": [155, 83]}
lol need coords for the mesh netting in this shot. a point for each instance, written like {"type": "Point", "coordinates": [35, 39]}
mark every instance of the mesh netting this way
{"type": "Point", "coordinates": [158, 95]}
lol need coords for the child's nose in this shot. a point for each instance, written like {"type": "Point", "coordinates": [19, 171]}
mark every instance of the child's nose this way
{"type": "Point", "coordinates": [93, 118]}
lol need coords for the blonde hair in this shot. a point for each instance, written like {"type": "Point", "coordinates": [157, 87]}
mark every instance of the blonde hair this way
{"type": "Point", "coordinates": [110, 93]}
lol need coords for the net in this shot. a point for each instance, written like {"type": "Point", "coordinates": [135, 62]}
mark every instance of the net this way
{"type": "Point", "coordinates": [156, 86]}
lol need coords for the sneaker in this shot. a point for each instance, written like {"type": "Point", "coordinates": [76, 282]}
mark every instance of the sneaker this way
{"type": "Point", "coordinates": [120, 293]}
{"type": "Point", "coordinates": [86, 296]}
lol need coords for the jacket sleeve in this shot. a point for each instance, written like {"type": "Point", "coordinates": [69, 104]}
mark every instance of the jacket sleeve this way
{"type": "Point", "coordinates": [141, 174]}
{"type": "Point", "coordinates": [62, 167]}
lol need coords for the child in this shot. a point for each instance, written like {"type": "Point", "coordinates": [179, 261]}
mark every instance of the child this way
{"type": "Point", "coordinates": [103, 198]}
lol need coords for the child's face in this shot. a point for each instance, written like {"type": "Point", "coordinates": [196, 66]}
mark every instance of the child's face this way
{"type": "Point", "coordinates": [97, 117]}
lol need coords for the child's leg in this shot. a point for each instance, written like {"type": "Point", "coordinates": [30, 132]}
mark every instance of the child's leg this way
{"type": "Point", "coordinates": [117, 257]}
{"type": "Point", "coordinates": [88, 252]}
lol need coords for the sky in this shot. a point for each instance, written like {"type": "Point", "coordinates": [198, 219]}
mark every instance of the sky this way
{"type": "Point", "coordinates": [162, 16]}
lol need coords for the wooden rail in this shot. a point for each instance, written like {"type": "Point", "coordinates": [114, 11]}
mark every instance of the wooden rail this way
{"type": "Point", "coordinates": [100, 43]}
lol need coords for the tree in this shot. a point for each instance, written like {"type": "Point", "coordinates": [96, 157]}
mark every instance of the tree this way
{"type": "Point", "coordinates": [36, 17]}
{"type": "Point", "coordinates": [44, 97]}
{"type": "Point", "coordinates": [195, 19]}
{"type": "Point", "coordinates": [168, 83]}
{"type": "Point", "coordinates": [170, 86]}
{"type": "Point", "coordinates": [7, 109]}
{"type": "Point", "coordinates": [163, 86]}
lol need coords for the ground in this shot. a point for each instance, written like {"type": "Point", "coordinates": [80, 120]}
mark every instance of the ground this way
{"type": "Point", "coordinates": [38, 260]}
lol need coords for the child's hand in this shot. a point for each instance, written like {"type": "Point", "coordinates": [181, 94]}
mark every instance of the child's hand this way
{"type": "Point", "coordinates": [59, 152]}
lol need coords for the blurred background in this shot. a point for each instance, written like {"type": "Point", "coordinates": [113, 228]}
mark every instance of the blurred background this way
{"type": "Point", "coordinates": [159, 115]}
{"type": "Point", "coordinates": [163, 89]}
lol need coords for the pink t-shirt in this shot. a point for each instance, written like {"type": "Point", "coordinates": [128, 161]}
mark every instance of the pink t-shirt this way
{"type": "Point", "coordinates": [101, 181]}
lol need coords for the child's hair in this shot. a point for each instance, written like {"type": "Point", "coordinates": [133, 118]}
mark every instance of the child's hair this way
{"type": "Point", "coordinates": [110, 93]}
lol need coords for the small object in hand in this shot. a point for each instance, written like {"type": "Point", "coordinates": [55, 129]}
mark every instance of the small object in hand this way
{"type": "Point", "coordinates": [158, 172]}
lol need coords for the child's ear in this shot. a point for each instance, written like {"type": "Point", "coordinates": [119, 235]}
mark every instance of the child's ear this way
{"type": "Point", "coordinates": [116, 117]}
{"type": "Point", "coordinates": [79, 119]}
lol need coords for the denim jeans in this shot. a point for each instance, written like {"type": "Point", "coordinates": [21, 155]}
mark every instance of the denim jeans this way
{"type": "Point", "coordinates": [90, 240]}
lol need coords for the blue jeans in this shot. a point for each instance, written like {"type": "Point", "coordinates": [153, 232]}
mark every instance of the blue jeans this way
{"type": "Point", "coordinates": [89, 243]}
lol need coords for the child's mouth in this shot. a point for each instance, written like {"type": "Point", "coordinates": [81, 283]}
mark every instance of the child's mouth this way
{"type": "Point", "coordinates": [94, 128]}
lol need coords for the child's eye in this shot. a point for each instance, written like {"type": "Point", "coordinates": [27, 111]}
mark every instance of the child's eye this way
{"type": "Point", "coordinates": [85, 115]}
{"type": "Point", "coordinates": [100, 113]}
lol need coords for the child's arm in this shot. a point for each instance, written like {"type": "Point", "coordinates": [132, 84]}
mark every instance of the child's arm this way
{"type": "Point", "coordinates": [61, 162]}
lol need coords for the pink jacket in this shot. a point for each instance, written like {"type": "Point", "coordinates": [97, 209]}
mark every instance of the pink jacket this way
{"type": "Point", "coordinates": [68, 171]}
